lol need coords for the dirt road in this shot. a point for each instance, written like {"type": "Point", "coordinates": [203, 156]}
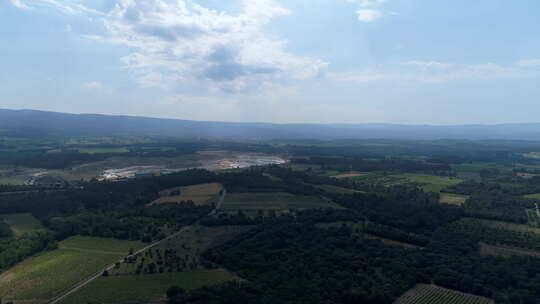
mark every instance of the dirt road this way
{"type": "Point", "coordinates": [87, 281]}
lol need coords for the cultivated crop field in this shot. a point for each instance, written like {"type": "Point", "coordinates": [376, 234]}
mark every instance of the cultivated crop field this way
{"type": "Point", "coordinates": [347, 175]}
{"type": "Point", "coordinates": [253, 201]}
{"type": "Point", "coordinates": [431, 294]}
{"type": "Point", "coordinates": [199, 194]}
{"type": "Point", "coordinates": [431, 183]}
{"type": "Point", "coordinates": [144, 288]}
{"type": "Point", "coordinates": [453, 199]}
{"type": "Point", "coordinates": [21, 223]}
{"type": "Point", "coordinates": [535, 196]}
{"type": "Point", "coordinates": [181, 253]}
{"type": "Point", "coordinates": [336, 189]}
{"type": "Point", "coordinates": [508, 226]}
{"type": "Point", "coordinates": [44, 276]}
{"type": "Point", "coordinates": [486, 249]}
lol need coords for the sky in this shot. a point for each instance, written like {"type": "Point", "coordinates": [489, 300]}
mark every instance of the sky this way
{"type": "Point", "coordinates": [284, 61]}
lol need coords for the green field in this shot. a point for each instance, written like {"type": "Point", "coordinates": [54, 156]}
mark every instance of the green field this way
{"type": "Point", "coordinates": [20, 223]}
{"type": "Point", "coordinates": [535, 196]}
{"type": "Point", "coordinates": [431, 294]}
{"type": "Point", "coordinates": [336, 189]}
{"type": "Point", "coordinates": [144, 288]}
{"type": "Point", "coordinates": [431, 183]}
{"type": "Point", "coordinates": [273, 201]}
{"type": "Point", "coordinates": [46, 275]}
{"type": "Point", "coordinates": [428, 183]}
{"type": "Point", "coordinates": [507, 226]}
{"type": "Point", "coordinates": [472, 170]}
{"type": "Point", "coordinates": [199, 194]}
{"type": "Point", "coordinates": [453, 199]}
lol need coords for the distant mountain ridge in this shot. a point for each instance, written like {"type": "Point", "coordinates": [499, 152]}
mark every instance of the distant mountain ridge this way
{"type": "Point", "coordinates": [29, 123]}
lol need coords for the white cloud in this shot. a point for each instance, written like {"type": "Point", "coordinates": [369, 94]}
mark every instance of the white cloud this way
{"type": "Point", "coordinates": [529, 63]}
{"type": "Point", "coordinates": [62, 6]}
{"type": "Point", "coordinates": [368, 15]}
{"type": "Point", "coordinates": [181, 42]}
{"type": "Point", "coordinates": [436, 72]}
{"type": "Point", "coordinates": [367, 3]}
{"type": "Point", "coordinates": [93, 86]}
{"type": "Point", "coordinates": [428, 64]}
{"type": "Point", "coordinates": [19, 4]}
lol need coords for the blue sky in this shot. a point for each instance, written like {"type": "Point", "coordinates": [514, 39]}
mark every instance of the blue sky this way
{"type": "Point", "coordinates": [329, 61]}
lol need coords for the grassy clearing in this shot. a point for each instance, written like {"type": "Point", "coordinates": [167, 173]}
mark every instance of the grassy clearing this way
{"type": "Point", "coordinates": [486, 249]}
{"type": "Point", "coordinates": [46, 275]}
{"type": "Point", "coordinates": [430, 294]}
{"type": "Point", "coordinates": [472, 170]}
{"type": "Point", "coordinates": [274, 201]}
{"type": "Point", "coordinates": [508, 226]}
{"type": "Point", "coordinates": [535, 196]}
{"type": "Point", "coordinates": [144, 288]}
{"type": "Point", "coordinates": [347, 175]}
{"type": "Point", "coordinates": [199, 194]}
{"type": "Point", "coordinates": [336, 189]}
{"type": "Point", "coordinates": [453, 199]}
{"type": "Point", "coordinates": [431, 183]}
{"type": "Point", "coordinates": [21, 223]}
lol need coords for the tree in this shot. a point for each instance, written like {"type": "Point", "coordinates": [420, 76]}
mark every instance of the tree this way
{"type": "Point", "coordinates": [175, 291]}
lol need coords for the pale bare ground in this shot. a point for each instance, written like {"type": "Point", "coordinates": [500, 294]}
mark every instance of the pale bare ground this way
{"type": "Point", "coordinates": [486, 249]}
{"type": "Point", "coordinates": [199, 194]}
{"type": "Point", "coordinates": [347, 175]}
{"type": "Point", "coordinates": [452, 199]}
{"type": "Point", "coordinates": [6, 276]}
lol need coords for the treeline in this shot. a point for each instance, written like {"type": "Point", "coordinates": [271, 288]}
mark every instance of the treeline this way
{"type": "Point", "coordinates": [515, 186]}
{"type": "Point", "coordinates": [14, 250]}
{"type": "Point", "coordinates": [368, 165]}
{"type": "Point", "coordinates": [112, 209]}
{"type": "Point", "coordinates": [42, 159]}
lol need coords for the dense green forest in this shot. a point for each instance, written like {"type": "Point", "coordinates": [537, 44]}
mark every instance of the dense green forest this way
{"type": "Point", "coordinates": [375, 242]}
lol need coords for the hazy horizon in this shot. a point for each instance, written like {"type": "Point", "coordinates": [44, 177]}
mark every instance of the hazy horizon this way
{"type": "Point", "coordinates": [317, 61]}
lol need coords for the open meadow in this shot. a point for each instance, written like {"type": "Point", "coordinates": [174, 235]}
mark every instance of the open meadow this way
{"type": "Point", "coordinates": [199, 194]}
{"type": "Point", "coordinates": [428, 183]}
{"type": "Point", "coordinates": [252, 201]}
{"type": "Point", "coordinates": [144, 288]}
{"type": "Point", "coordinates": [46, 275]}
{"type": "Point", "coordinates": [336, 189]}
{"type": "Point", "coordinates": [21, 223]}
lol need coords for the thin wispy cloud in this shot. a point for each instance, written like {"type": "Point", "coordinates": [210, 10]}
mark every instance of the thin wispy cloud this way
{"type": "Point", "coordinates": [62, 6]}
{"type": "Point", "coordinates": [416, 71]}
{"type": "Point", "coordinates": [370, 10]}
{"type": "Point", "coordinates": [368, 15]}
{"type": "Point", "coordinates": [529, 63]}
